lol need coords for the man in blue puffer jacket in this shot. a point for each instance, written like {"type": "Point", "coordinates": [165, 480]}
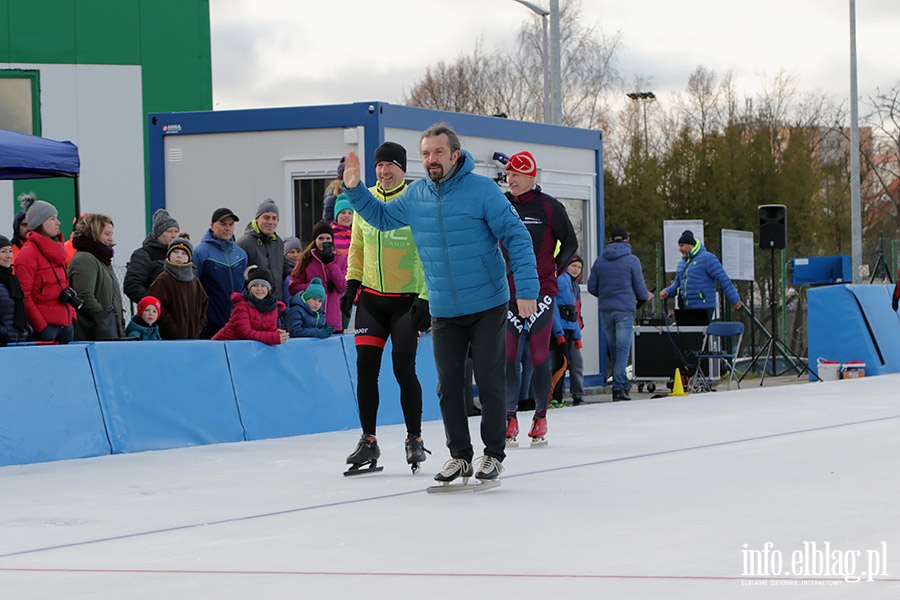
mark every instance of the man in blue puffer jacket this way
{"type": "Point", "coordinates": [220, 265]}
{"type": "Point", "coordinates": [457, 218]}
{"type": "Point", "coordinates": [696, 277]}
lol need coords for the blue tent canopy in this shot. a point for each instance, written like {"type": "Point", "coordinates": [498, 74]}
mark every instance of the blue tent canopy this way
{"type": "Point", "coordinates": [31, 157]}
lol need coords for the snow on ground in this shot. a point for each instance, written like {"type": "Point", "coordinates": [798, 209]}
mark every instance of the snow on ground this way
{"type": "Point", "coordinates": [664, 498]}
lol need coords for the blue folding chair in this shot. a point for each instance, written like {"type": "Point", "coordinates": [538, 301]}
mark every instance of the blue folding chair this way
{"type": "Point", "coordinates": [715, 341]}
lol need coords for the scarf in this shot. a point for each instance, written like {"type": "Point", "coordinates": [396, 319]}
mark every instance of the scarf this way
{"type": "Point", "coordinates": [266, 305]}
{"type": "Point", "coordinates": [101, 251]}
{"type": "Point", "coordinates": [183, 272]}
{"type": "Point", "coordinates": [15, 292]}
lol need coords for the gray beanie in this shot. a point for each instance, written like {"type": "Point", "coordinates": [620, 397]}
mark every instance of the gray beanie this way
{"type": "Point", "coordinates": [268, 205]}
{"type": "Point", "coordinates": [292, 243]}
{"type": "Point", "coordinates": [36, 211]}
{"type": "Point", "coordinates": [162, 220]}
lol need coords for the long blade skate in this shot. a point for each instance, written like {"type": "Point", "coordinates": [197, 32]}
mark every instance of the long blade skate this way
{"type": "Point", "coordinates": [539, 442]}
{"type": "Point", "coordinates": [479, 486]}
{"type": "Point", "coordinates": [363, 469]}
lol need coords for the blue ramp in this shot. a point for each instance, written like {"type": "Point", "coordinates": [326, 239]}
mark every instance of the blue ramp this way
{"type": "Point", "coordinates": [854, 322]}
{"type": "Point", "coordinates": [49, 408]}
{"type": "Point", "coordinates": [160, 395]}
{"type": "Point", "coordinates": [299, 387]}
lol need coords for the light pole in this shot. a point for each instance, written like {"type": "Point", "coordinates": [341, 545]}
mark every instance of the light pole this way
{"type": "Point", "coordinates": [855, 200]}
{"type": "Point", "coordinates": [544, 13]}
{"type": "Point", "coordinates": [643, 97]}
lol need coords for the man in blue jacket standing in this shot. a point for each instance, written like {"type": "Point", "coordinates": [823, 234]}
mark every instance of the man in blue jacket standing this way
{"type": "Point", "coordinates": [696, 277]}
{"type": "Point", "coordinates": [457, 218]}
{"type": "Point", "coordinates": [618, 282]}
{"type": "Point", "coordinates": [220, 265]}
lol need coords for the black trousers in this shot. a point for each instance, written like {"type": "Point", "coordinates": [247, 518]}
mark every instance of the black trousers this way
{"type": "Point", "coordinates": [486, 333]}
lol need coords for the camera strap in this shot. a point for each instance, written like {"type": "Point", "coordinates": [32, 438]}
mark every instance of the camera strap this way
{"type": "Point", "coordinates": [52, 268]}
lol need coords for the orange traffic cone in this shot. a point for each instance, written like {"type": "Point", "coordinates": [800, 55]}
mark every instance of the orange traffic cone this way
{"type": "Point", "coordinates": [678, 388]}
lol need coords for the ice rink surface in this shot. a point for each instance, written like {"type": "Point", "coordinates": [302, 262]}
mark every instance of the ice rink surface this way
{"type": "Point", "coordinates": [776, 492]}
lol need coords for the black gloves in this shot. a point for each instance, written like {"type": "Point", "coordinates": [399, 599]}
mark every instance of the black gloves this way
{"type": "Point", "coordinates": [329, 285]}
{"type": "Point", "coordinates": [894, 303]}
{"type": "Point", "coordinates": [327, 253]}
{"type": "Point", "coordinates": [325, 332]}
{"type": "Point", "coordinates": [349, 297]}
{"type": "Point", "coordinates": [419, 315]}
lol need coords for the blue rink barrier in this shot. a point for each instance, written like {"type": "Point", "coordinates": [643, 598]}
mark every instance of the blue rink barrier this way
{"type": "Point", "coordinates": [389, 411]}
{"type": "Point", "coordinates": [296, 388]}
{"type": "Point", "coordinates": [49, 408]}
{"type": "Point", "coordinates": [854, 322]}
{"type": "Point", "coordinates": [94, 399]}
{"type": "Point", "coordinates": [159, 395]}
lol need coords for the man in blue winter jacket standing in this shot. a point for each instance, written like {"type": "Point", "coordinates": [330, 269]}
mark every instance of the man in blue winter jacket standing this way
{"type": "Point", "coordinates": [696, 278]}
{"type": "Point", "coordinates": [220, 265]}
{"type": "Point", "coordinates": [618, 282]}
{"type": "Point", "coordinates": [457, 218]}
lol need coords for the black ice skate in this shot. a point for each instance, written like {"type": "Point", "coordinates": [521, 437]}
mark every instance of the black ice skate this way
{"type": "Point", "coordinates": [453, 470]}
{"type": "Point", "coordinates": [415, 453]}
{"type": "Point", "coordinates": [365, 458]}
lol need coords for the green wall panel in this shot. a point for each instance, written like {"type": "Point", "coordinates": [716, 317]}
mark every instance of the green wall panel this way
{"type": "Point", "coordinates": [42, 32]}
{"type": "Point", "coordinates": [107, 33]}
{"type": "Point", "coordinates": [4, 29]}
{"type": "Point", "coordinates": [58, 191]}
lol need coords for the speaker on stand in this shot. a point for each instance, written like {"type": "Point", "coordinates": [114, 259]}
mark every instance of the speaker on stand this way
{"type": "Point", "coordinates": [773, 236]}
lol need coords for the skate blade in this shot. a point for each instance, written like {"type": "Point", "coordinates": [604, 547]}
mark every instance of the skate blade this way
{"type": "Point", "coordinates": [482, 485]}
{"type": "Point", "coordinates": [359, 470]}
{"type": "Point", "coordinates": [538, 442]}
{"type": "Point", "coordinates": [512, 443]}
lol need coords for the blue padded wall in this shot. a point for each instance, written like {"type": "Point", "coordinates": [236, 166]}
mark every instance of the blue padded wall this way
{"type": "Point", "coordinates": [854, 322]}
{"type": "Point", "coordinates": [389, 411]}
{"type": "Point", "coordinates": [299, 387]}
{"type": "Point", "coordinates": [158, 395]}
{"type": "Point", "coordinates": [49, 408]}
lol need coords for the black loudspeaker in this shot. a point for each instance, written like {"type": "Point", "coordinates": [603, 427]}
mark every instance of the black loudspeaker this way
{"type": "Point", "coordinates": [772, 226]}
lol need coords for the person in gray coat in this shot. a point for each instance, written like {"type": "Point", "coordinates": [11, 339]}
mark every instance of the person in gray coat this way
{"type": "Point", "coordinates": [264, 247]}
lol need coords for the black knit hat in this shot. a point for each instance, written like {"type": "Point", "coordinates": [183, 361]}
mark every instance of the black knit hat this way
{"type": "Point", "coordinates": [687, 238]}
{"type": "Point", "coordinates": [322, 227]}
{"type": "Point", "coordinates": [391, 152]}
{"type": "Point", "coordinates": [4, 241]}
{"type": "Point", "coordinates": [254, 275]}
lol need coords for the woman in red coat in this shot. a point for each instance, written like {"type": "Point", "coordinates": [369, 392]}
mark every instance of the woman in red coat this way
{"type": "Point", "coordinates": [41, 269]}
{"type": "Point", "coordinates": [255, 313]}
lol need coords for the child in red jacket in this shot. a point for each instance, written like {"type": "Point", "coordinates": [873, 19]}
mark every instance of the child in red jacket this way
{"type": "Point", "coordinates": [255, 313]}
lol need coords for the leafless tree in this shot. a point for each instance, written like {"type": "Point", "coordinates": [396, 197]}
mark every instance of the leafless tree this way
{"type": "Point", "coordinates": [496, 82]}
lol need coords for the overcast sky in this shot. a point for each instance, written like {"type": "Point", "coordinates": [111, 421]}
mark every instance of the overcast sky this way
{"type": "Point", "coordinates": [294, 53]}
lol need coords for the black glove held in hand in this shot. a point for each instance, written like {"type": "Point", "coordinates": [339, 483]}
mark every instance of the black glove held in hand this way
{"type": "Point", "coordinates": [325, 332]}
{"type": "Point", "coordinates": [349, 297]}
{"type": "Point", "coordinates": [894, 303]}
{"type": "Point", "coordinates": [419, 315]}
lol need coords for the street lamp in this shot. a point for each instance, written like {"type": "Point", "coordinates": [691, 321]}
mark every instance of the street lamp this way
{"type": "Point", "coordinates": [643, 97]}
{"type": "Point", "coordinates": [544, 13]}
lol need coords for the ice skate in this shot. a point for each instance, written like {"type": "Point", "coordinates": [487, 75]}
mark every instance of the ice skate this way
{"type": "Point", "coordinates": [512, 430]}
{"type": "Point", "coordinates": [453, 470]}
{"type": "Point", "coordinates": [415, 453]}
{"type": "Point", "coordinates": [556, 403]}
{"type": "Point", "coordinates": [538, 432]}
{"type": "Point", "coordinates": [365, 458]}
{"type": "Point", "coordinates": [489, 470]}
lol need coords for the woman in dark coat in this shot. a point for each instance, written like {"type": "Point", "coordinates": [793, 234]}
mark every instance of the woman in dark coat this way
{"type": "Point", "coordinates": [13, 324]}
